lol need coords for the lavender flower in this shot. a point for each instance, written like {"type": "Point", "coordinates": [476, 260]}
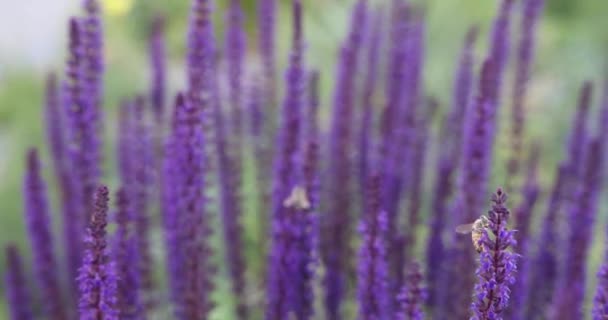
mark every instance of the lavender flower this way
{"type": "Point", "coordinates": [189, 219]}
{"type": "Point", "coordinates": [124, 254]}
{"type": "Point", "coordinates": [569, 294]}
{"type": "Point", "coordinates": [235, 51]}
{"type": "Point", "coordinates": [267, 26]}
{"type": "Point", "coordinates": [525, 56]}
{"type": "Point", "coordinates": [229, 172]}
{"type": "Point", "coordinates": [158, 63]}
{"type": "Point", "coordinates": [523, 221]}
{"type": "Point", "coordinates": [284, 179]}
{"type": "Point", "coordinates": [336, 236]}
{"type": "Point", "coordinates": [447, 163]}
{"type": "Point", "coordinates": [39, 227]}
{"type": "Point", "coordinates": [97, 281]}
{"type": "Point", "coordinates": [16, 288]}
{"type": "Point", "coordinates": [412, 295]}
{"type": "Point", "coordinates": [373, 288]}
{"type": "Point", "coordinates": [374, 40]}
{"type": "Point", "coordinates": [497, 265]}
{"type": "Point", "coordinates": [600, 301]}
{"type": "Point", "coordinates": [544, 273]}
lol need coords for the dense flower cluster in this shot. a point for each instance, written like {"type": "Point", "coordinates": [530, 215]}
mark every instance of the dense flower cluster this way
{"type": "Point", "coordinates": [240, 154]}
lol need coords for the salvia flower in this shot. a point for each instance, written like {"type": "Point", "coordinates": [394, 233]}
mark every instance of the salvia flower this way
{"type": "Point", "coordinates": [39, 226]}
{"type": "Point", "coordinates": [267, 22]}
{"type": "Point", "coordinates": [124, 254]}
{"type": "Point", "coordinates": [336, 236]}
{"type": "Point", "coordinates": [412, 295]}
{"type": "Point", "coordinates": [17, 294]}
{"type": "Point", "coordinates": [373, 289]}
{"type": "Point", "coordinates": [96, 279]}
{"type": "Point", "coordinates": [158, 67]}
{"type": "Point", "coordinates": [447, 163]}
{"type": "Point", "coordinates": [497, 264]}
{"type": "Point", "coordinates": [570, 292]}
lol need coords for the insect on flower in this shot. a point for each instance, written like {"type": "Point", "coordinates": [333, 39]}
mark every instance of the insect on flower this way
{"type": "Point", "coordinates": [297, 199]}
{"type": "Point", "coordinates": [475, 229]}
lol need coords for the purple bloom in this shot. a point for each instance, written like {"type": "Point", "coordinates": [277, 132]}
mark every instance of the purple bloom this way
{"type": "Point", "coordinates": [229, 179]}
{"type": "Point", "coordinates": [267, 26]}
{"type": "Point", "coordinates": [336, 235]}
{"type": "Point", "coordinates": [451, 135]}
{"type": "Point", "coordinates": [373, 288]}
{"type": "Point", "coordinates": [235, 51]}
{"type": "Point", "coordinates": [39, 230]}
{"type": "Point", "coordinates": [97, 281]}
{"type": "Point", "coordinates": [158, 63]}
{"type": "Point", "coordinates": [124, 254]}
{"type": "Point", "coordinates": [187, 217]}
{"type": "Point", "coordinates": [497, 264]}
{"type": "Point", "coordinates": [285, 179]}
{"type": "Point", "coordinates": [412, 295]}
{"type": "Point", "coordinates": [366, 134]}
{"type": "Point", "coordinates": [544, 273]}
{"type": "Point", "coordinates": [523, 215]}
{"type": "Point", "coordinates": [16, 288]}
{"type": "Point", "coordinates": [571, 288]}
{"type": "Point", "coordinates": [600, 301]}
{"type": "Point", "coordinates": [525, 56]}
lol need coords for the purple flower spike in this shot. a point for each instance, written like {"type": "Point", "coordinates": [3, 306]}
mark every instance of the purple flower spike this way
{"type": "Point", "coordinates": [600, 301]}
{"type": "Point", "coordinates": [497, 264]}
{"type": "Point", "coordinates": [267, 26]}
{"type": "Point", "coordinates": [366, 134]}
{"type": "Point", "coordinates": [373, 289]}
{"type": "Point", "coordinates": [229, 178]}
{"type": "Point", "coordinates": [336, 236]}
{"type": "Point", "coordinates": [525, 58]}
{"type": "Point", "coordinates": [124, 253]}
{"type": "Point", "coordinates": [412, 295]}
{"type": "Point", "coordinates": [235, 51]}
{"type": "Point", "coordinates": [284, 179]}
{"type": "Point", "coordinates": [97, 280]}
{"type": "Point", "coordinates": [158, 63]}
{"type": "Point", "coordinates": [16, 288]}
{"type": "Point", "coordinates": [39, 230]}
{"type": "Point", "coordinates": [523, 215]}
{"type": "Point", "coordinates": [570, 292]}
{"type": "Point", "coordinates": [447, 163]}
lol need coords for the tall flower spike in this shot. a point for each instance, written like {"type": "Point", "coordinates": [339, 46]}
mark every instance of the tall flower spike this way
{"type": "Point", "coordinates": [366, 134]}
{"type": "Point", "coordinates": [97, 280]}
{"type": "Point", "coordinates": [477, 151]}
{"type": "Point", "coordinates": [39, 230]}
{"type": "Point", "coordinates": [447, 163]}
{"type": "Point", "coordinates": [569, 296]}
{"type": "Point", "coordinates": [72, 180]}
{"type": "Point", "coordinates": [600, 301]}
{"type": "Point", "coordinates": [158, 63]}
{"type": "Point", "coordinates": [235, 51]}
{"type": "Point", "coordinates": [412, 295]}
{"type": "Point", "coordinates": [267, 24]}
{"type": "Point", "coordinates": [544, 273]}
{"type": "Point", "coordinates": [336, 236]}
{"type": "Point", "coordinates": [372, 288]}
{"type": "Point", "coordinates": [525, 58]}
{"type": "Point", "coordinates": [124, 252]}
{"type": "Point", "coordinates": [192, 219]}
{"type": "Point", "coordinates": [229, 172]}
{"type": "Point", "coordinates": [18, 298]}
{"type": "Point", "coordinates": [284, 178]}
{"type": "Point", "coordinates": [497, 264]}
{"type": "Point", "coordinates": [92, 98]}
{"type": "Point", "coordinates": [523, 220]}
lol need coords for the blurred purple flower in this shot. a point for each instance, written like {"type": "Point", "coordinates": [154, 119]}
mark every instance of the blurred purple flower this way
{"type": "Point", "coordinates": [158, 67]}
{"type": "Point", "coordinates": [411, 297]}
{"type": "Point", "coordinates": [18, 298]}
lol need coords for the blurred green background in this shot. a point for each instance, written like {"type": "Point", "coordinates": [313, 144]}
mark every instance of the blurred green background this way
{"type": "Point", "coordinates": [572, 47]}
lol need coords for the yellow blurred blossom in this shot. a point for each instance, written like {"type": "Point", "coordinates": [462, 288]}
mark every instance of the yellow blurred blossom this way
{"type": "Point", "coordinates": [117, 7]}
